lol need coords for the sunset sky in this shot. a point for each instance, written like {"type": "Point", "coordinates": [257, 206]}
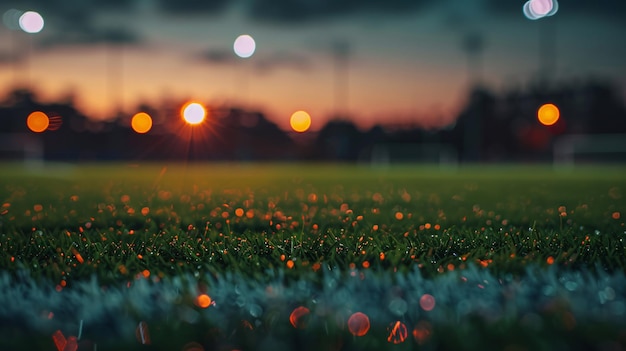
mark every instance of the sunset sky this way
{"type": "Point", "coordinates": [405, 58]}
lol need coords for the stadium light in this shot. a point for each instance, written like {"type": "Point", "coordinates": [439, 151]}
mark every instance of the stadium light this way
{"type": "Point", "coordinates": [31, 22]}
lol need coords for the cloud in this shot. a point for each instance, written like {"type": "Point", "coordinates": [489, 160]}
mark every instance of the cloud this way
{"type": "Point", "coordinates": [217, 56]}
{"type": "Point", "coordinates": [90, 36]}
{"type": "Point", "coordinates": [295, 11]}
{"type": "Point", "coordinates": [261, 62]}
{"type": "Point", "coordinates": [190, 7]}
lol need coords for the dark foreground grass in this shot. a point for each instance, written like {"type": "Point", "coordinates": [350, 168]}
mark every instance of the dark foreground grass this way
{"type": "Point", "coordinates": [117, 255]}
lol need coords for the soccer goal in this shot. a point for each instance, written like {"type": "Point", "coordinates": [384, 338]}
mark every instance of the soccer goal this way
{"type": "Point", "coordinates": [440, 154]}
{"type": "Point", "coordinates": [22, 147]}
{"type": "Point", "coordinates": [574, 149]}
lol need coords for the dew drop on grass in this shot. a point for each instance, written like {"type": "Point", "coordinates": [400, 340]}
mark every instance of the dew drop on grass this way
{"type": "Point", "coordinates": [255, 310]}
{"type": "Point", "coordinates": [548, 290]}
{"type": "Point", "coordinates": [618, 308]}
{"type": "Point", "coordinates": [398, 306]}
{"type": "Point", "coordinates": [240, 301]}
{"type": "Point", "coordinates": [571, 285]}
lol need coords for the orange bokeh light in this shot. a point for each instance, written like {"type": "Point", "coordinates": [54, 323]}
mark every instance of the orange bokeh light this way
{"type": "Point", "coordinates": [38, 122]}
{"type": "Point", "coordinates": [359, 324]}
{"type": "Point", "coordinates": [297, 318]}
{"type": "Point", "coordinates": [193, 346]}
{"type": "Point", "coordinates": [422, 332]}
{"type": "Point", "coordinates": [548, 114]}
{"type": "Point", "coordinates": [427, 302]}
{"type": "Point", "coordinates": [203, 301]}
{"type": "Point", "coordinates": [141, 122]}
{"type": "Point", "coordinates": [398, 332]}
{"type": "Point", "coordinates": [193, 112]}
{"type": "Point", "coordinates": [300, 121]}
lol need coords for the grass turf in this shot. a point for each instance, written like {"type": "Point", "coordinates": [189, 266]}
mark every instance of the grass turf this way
{"type": "Point", "coordinates": [145, 240]}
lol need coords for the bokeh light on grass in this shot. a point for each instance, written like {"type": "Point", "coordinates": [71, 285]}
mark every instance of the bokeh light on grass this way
{"type": "Point", "coordinates": [298, 317]}
{"type": "Point", "coordinates": [198, 235]}
{"type": "Point", "coordinates": [422, 332]}
{"type": "Point", "coordinates": [300, 121]}
{"type": "Point", "coordinates": [427, 302]}
{"type": "Point", "coordinates": [141, 123]}
{"type": "Point", "coordinates": [398, 332]}
{"type": "Point", "coordinates": [548, 114]}
{"type": "Point", "coordinates": [244, 46]}
{"type": "Point", "coordinates": [193, 346]}
{"type": "Point", "coordinates": [193, 113]}
{"type": "Point", "coordinates": [359, 324]}
{"type": "Point", "coordinates": [38, 122]}
{"type": "Point", "coordinates": [31, 22]}
{"type": "Point", "coordinates": [203, 301]}
{"type": "Point", "coordinates": [142, 333]}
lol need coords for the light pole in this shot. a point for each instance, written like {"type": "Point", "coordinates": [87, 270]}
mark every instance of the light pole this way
{"type": "Point", "coordinates": [473, 45]}
{"type": "Point", "coordinates": [244, 47]}
{"type": "Point", "coordinates": [341, 55]}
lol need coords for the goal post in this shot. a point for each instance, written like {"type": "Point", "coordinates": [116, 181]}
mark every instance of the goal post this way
{"type": "Point", "coordinates": [569, 150]}
{"type": "Point", "coordinates": [22, 147]}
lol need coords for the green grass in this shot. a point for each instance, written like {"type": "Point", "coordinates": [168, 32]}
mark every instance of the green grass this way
{"type": "Point", "coordinates": [328, 237]}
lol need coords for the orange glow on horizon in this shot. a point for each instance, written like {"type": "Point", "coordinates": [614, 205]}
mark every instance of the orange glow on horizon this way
{"type": "Point", "coordinates": [141, 122]}
{"type": "Point", "coordinates": [300, 121]}
{"type": "Point", "coordinates": [297, 318]}
{"type": "Point", "coordinates": [193, 113]}
{"type": "Point", "coordinates": [359, 324]}
{"type": "Point", "coordinates": [38, 122]}
{"type": "Point", "coordinates": [548, 114]}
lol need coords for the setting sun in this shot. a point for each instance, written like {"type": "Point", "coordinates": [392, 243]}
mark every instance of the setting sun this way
{"type": "Point", "coordinates": [548, 114]}
{"type": "Point", "coordinates": [193, 113]}
{"type": "Point", "coordinates": [37, 121]}
{"type": "Point", "coordinates": [300, 121]}
{"type": "Point", "coordinates": [141, 123]}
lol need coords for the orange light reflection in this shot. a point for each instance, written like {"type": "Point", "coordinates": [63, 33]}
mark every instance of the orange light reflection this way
{"type": "Point", "coordinates": [422, 332]}
{"type": "Point", "coordinates": [300, 121]}
{"type": "Point", "coordinates": [38, 122]}
{"type": "Point", "coordinates": [427, 302]}
{"type": "Point", "coordinates": [359, 324]}
{"type": "Point", "coordinates": [141, 123]}
{"type": "Point", "coordinates": [298, 317]}
{"type": "Point", "coordinates": [397, 333]}
{"type": "Point", "coordinates": [203, 301]}
{"type": "Point", "coordinates": [548, 114]}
